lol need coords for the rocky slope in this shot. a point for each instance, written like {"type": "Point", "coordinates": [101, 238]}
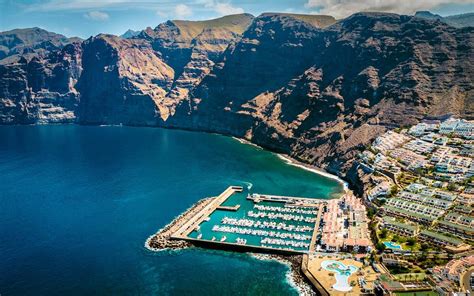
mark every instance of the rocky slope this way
{"type": "Point", "coordinates": [308, 86]}
{"type": "Point", "coordinates": [41, 90]}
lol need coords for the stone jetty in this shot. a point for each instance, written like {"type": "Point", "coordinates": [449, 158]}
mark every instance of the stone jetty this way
{"type": "Point", "coordinates": [162, 239]}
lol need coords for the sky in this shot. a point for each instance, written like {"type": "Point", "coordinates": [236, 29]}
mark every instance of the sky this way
{"type": "Point", "coordinates": [85, 18]}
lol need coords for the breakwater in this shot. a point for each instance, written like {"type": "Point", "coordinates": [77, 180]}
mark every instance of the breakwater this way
{"type": "Point", "coordinates": [162, 239]}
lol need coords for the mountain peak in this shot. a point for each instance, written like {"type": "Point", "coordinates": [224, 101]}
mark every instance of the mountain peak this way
{"type": "Point", "coordinates": [130, 34]}
{"type": "Point", "coordinates": [319, 21]}
{"type": "Point", "coordinates": [428, 15]}
{"type": "Point", "coordinates": [236, 23]}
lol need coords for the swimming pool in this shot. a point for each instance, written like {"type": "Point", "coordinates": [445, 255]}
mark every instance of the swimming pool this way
{"type": "Point", "coordinates": [341, 273]}
{"type": "Point", "coordinates": [392, 245]}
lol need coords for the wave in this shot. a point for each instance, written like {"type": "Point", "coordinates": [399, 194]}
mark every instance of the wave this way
{"type": "Point", "coordinates": [247, 184]}
{"type": "Point", "coordinates": [315, 170]}
{"type": "Point", "coordinates": [245, 142]}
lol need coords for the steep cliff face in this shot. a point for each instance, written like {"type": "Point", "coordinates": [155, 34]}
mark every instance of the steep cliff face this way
{"type": "Point", "coordinates": [192, 48]}
{"type": "Point", "coordinates": [323, 94]}
{"type": "Point", "coordinates": [41, 90]}
{"type": "Point", "coordinates": [272, 51]}
{"type": "Point", "coordinates": [124, 82]}
{"type": "Point", "coordinates": [305, 85]}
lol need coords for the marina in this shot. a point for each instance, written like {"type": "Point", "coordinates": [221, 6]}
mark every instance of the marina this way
{"type": "Point", "coordinates": [254, 222]}
{"type": "Point", "coordinates": [295, 227]}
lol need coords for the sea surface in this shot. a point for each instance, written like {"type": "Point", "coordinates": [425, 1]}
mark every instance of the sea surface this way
{"type": "Point", "coordinates": [78, 202]}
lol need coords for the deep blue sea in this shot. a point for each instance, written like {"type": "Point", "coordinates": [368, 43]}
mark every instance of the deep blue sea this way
{"type": "Point", "coordinates": [78, 202]}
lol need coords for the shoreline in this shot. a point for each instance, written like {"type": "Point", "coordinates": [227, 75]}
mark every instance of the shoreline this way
{"type": "Point", "coordinates": [293, 162]}
{"type": "Point", "coordinates": [314, 169]}
{"type": "Point", "coordinates": [294, 276]}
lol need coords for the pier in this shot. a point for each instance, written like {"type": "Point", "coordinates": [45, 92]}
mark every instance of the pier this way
{"type": "Point", "coordinates": [290, 226]}
{"type": "Point", "coordinates": [194, 222]}
{"type": "Point", "coordinates": [289, 200]}
{"type": "Point", "coordinates": [232, 209]}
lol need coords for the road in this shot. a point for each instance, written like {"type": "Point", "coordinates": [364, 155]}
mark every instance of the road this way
{"type": "Point", "coordinates": [466, 280]}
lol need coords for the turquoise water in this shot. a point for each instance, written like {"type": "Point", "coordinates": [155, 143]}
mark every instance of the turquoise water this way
{"type": "Point", "coordinates": [206, 228]}
{"type": "Point", "coordinates": [341, 273]}
{"type": "Point", "coordinates": [392, 245]}
{"type": "Point", "coordinates": [78, 202]}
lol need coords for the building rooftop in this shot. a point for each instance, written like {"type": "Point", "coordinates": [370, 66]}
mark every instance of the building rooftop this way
{"type": "Point", "coordinates": [442, 237]}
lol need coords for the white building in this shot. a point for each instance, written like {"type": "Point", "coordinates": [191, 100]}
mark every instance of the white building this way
{"type": "Point", "coordinates": [459, 127]}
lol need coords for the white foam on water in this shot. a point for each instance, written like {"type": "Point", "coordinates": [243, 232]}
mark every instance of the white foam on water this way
{"type": "Point", "coordinates": [290, 161]}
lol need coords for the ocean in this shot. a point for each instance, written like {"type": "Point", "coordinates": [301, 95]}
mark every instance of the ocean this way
{"type": "Point", "coordinates": [78, 202]}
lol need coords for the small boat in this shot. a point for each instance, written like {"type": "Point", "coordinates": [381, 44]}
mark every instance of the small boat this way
{"type": "Point", "coordinates": [213, 238]}
{"type": "Point", "coordinates": [223, 238]}
{"type": "Point", "coordinates": [199, 236]}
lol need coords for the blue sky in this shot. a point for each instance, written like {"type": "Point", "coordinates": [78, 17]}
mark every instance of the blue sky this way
{"type": "Point", "coordinates": [84, 18]}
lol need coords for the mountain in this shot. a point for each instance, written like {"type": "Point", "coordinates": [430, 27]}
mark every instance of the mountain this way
{"type": "Point", "coordinates": [322, 94]}
{"type": "Point", "coordinates": [458, 21]}
{"type": "Point", "coordinates": [428, 15]}
{"type": "Point", "coordinates": [192, 48]}
{"type": "Point", "coordinates": [461, 20]}
{"type": "Point", "coordinates": [310, 86]}
{"type": "Point", "coordinates": [30, 41]}
{"type": "Point", "coordinates": [319, 21]}
{"type": "Point", "coordinates": [130, 34]}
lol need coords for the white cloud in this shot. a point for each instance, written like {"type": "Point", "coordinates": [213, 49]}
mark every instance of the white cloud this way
{"type": "Point", "coordinates": [96, 16]}
{"type": "Point", "coordinates": [222, 8]}
{"type": "Point", "coordinates": [343, 8]}
{"type": "Point", "coordinates": [182, 10]}
{"type": "Point", "coordinates": [227, 8]}
{"type": "Point", "coordinates": [161, 13]}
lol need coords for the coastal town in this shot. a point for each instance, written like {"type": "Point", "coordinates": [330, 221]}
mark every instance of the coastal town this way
{"type": "Point", "coordinates": [411, 233]}
{"type": "Point", "coordinates": [421, 197]}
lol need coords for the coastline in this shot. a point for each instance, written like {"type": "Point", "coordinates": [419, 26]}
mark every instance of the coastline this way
{"type": "Point", "coordinates": [294, 276]}
{"type": "Point", "coordinates": [291, 161]}
{"type": "Point", "coordinates": [316, 170]}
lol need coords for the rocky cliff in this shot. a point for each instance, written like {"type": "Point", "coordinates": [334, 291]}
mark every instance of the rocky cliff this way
{"type": "Point", "coordinates": [321, 94]}
{"type": "Point", "coordinates": [42, 89]}
{"type": "Point", "coordinates": [309, 86]}
{"type": "Point", "coordinates": [192, 48]}
{"type": "Point", "coordinates": [124, 82]}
